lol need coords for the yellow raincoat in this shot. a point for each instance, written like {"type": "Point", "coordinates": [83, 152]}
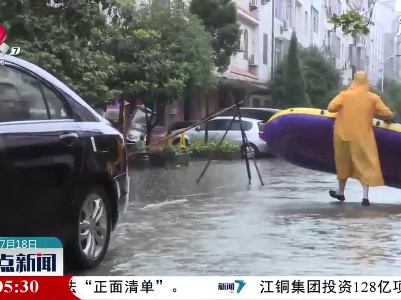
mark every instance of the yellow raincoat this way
{"type": "Point", "coordinates": [355, 149]}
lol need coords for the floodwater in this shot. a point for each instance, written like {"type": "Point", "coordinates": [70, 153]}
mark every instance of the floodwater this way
{"type": "Point", "coordinates": [223, 226]}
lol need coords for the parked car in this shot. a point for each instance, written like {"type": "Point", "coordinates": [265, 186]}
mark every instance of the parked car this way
{"type": "Point", "coordinates": [138, 129]}
{"type": "Point", "coordinates": [137, 124]}
{"type": "Point", "coordinates": [259, 113]}
{"type": "Point", "coordinates": [63, 166]}
{"type": "Point", "coordinates": [179, 125]}
{"type": "Point", "coordinates": [218, 126]}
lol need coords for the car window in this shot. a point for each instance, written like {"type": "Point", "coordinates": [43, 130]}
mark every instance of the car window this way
{"type": "Point", "coordinates": [215, 125]}
{"type": "Point", "coordinates": [257, 114]}
{"type": "Point", "coordinates": [21, 98]}
{"type": "Point", "coordinates": [56, 107]}
{"type": "Point", "coordinates": [237, 127]}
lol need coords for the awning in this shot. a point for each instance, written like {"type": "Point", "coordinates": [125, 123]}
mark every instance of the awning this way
{"type": "Point", "coordinates": [250, 86]}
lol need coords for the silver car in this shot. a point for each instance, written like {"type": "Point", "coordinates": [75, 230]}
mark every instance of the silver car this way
{"type": "Point", "coordinates": [218, 126]}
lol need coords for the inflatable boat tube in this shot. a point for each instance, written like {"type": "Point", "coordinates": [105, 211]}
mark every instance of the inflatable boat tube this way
{"type": "Point", "coordinates": [304, 137]}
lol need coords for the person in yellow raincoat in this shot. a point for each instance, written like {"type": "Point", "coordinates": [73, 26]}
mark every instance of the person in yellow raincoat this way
{"type": "Point", "coordinates": [355, 149]}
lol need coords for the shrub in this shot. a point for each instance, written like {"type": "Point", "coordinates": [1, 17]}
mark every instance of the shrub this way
{"type": "Point", "coordinates": [226, 146]}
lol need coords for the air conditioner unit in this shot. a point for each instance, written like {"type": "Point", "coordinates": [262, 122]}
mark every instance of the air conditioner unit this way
{"type": "Point", "coordinates": [253, 4]}
{"type": "Point", "coordinates": [263, 2]}
{"type": "Point", "coordinates": [251, 61]}
{"type": "Point", "coordinates": [173, 111]}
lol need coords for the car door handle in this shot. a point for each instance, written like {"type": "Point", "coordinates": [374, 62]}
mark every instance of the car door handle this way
{"type": "Point", "coordinates": [69, 138]}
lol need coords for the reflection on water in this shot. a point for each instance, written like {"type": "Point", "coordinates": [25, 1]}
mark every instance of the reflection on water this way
{"type": "Point", "coordinates": [222, 226]}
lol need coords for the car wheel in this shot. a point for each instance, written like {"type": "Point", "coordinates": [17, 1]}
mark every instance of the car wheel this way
{"type": "Point", "coordinates": [93, 230]}
{"type": "Point", "coordinates": [250, 151]}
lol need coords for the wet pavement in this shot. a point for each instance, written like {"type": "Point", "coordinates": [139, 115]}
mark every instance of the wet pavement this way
{"type": "Point", "coordinates": [222, 226]}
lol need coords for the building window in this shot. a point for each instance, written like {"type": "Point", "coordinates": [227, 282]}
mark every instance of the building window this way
{"type": "Point", "coordinates": [246, 44]}
{"type": "Point", "coordinates": [280, 9]}
{"type": "Point", "coordinates": [288, 12]}
{"type": "Point", "coordinates": [342, 51]}
{"type": "Point", "coordinates": [276, 8]}
{"type": "Point", "coordinates": [338, 48]}
{"type": "Point", "coordinates": [315, 20]}
{"type": "Point", "coordinates": [256, 102]}
{"type": "Point", "coordinates": [278, 50]}
{"type": "Point", "coordinates": [265, 48]}
{"type": "Point", "coordinates": [339, 10]}
{"type": "Point", "coordinates": [306, 23]}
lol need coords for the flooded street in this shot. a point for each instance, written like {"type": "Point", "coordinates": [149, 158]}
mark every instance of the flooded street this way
{"type": "Point", "coordinates": [222, 226]}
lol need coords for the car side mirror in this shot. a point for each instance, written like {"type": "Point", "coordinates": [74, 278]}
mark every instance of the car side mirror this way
{"type": "Point", "coordinates": [197, 128]}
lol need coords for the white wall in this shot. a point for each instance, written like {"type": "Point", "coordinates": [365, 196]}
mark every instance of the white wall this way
{"type": "Point", "coordinates": [295, 18]}
{"type": "Point", "coordinates": [376, 37]}
{"type": "Point", "coordinates": [300, 18]}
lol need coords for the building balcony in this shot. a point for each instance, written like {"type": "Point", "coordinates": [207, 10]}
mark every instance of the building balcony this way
{"type": "Point", "coordinates": [245, 15]}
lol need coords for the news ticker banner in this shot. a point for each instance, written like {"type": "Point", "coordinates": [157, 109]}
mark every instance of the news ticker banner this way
{"type": "Point", "coordinates": [199, 288]}
{"type": "Point", "coordinates": [31, 256]}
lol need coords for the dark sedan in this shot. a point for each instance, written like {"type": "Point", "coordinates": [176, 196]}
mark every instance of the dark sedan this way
{"type": "Point", "coordinates": [63, 167]}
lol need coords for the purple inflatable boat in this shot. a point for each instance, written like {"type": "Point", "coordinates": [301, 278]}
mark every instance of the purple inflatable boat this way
{"type": "Point", "coordinates": [304, 137]}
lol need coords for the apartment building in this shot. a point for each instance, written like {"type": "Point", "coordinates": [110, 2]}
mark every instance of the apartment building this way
{"type": "Point", "coordinates": [266, 29]}
{"type": "Point", "coordinates": [335, 44]}
{"type": "Point", "coordinates": [377, 38]}
{"type": "Point", "coordinates": [267, 26]}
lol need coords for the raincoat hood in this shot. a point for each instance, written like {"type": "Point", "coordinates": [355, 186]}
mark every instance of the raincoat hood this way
{"type": "Point", "coordinates": [361, 81]}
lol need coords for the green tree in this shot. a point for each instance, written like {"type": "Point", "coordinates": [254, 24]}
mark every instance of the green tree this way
{"type": "Point", "coordinates": [354, 22]}
{"type": "Point", "coordinates": [322, 80]}
{"type": "Point", "coordinates": [390, 94]}
{"type": "Point", "coordinates": [294, 84]}
{"type": "Point", "coordinates": [161, 52]}
{"type": "Point", "coordinates": [220, 19]}
{"type": "Point", "coordinates": [278, 84]}
{"type": "Point", "coordinates": [64, 40]}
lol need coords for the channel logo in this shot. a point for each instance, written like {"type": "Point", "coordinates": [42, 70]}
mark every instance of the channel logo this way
{"type": "Point", "coordinates": [4, 48]}
{"type": "Point", "coordinates": [230, 286]}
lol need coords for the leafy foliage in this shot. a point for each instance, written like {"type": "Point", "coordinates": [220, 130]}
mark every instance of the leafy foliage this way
{"type": "Point", "coordinates": [226, 146]}
{"type": "Point", "coordinates": [220, 19]}
{"type": "Point", "coordinates": [64, 40]}
{"type": "Point", "coordinates": [353, 22]}
{"type": "Point", "coordinates": [161, 53]}
{"type": "Point", "coordinates": [322, 80]}
{"type": "Point", "coordinates": [390, 95]}
{"type": "Point", "coordinates": [151, 51]}
{"type": "Point", "coordinates": [294, 84]}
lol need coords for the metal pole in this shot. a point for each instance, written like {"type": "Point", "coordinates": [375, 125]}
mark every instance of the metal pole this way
{"type": "Point", "coordinates": [273, 44]}
{"type": "Point", "coordinates": [246, 142]}
{"type": "Point", "coordinates": [208, 118]}
{"type": "Point", "coordinates": [217, 147]}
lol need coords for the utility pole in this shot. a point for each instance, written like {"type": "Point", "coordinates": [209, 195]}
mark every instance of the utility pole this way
{"type": "Point", "coordinates": [273, 44]}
